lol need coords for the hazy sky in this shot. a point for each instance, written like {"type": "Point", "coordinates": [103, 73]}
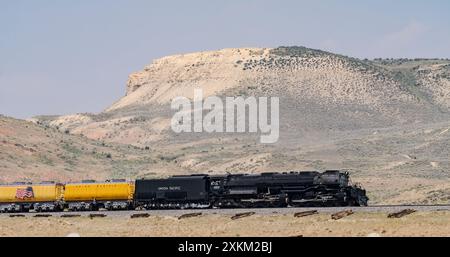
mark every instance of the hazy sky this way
{"type": "Point", "coordinates": [65, 56]}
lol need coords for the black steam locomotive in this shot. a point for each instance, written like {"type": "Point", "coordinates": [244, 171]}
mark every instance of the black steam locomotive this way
{"type": "Point", "coordinates": [288, 189]}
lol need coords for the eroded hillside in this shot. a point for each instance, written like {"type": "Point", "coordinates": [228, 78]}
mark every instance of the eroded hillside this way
{"type": "Point", "coordinates": [319, 93]}
{"type": "Point", "coordinates": [31, 152]}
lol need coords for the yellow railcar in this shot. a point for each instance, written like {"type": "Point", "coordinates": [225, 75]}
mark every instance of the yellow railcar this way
{"type": "Point", "coordinates": [23, 197]}
{"type": "Point", "coordinates": [94, 195]}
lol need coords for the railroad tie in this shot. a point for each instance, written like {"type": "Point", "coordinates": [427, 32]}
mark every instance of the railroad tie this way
{"type": "Point", "coordinates": [96, 215]}
{"type": "Point", "coordinates": [401, 213]}
{"type": "Point", "coordinates": [140, 215]}
{"type": "Point", "coordinates": [341, 214]}
{"type": "Point", "coordinates": [42, 215]}
{"type": "Point", "coordinates": [190, 215]}
{"type": "Point", "coordinates": [16, 215]}
{"type": "Point", "coordinates": [305, 213]}
{"type": "Point", "coordinates": [70, 215]}
{"type": "Point", "coordinates": [242, 215]}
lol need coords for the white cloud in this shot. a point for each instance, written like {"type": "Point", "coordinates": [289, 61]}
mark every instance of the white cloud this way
{"type": "Point", "coordinates": [406, 37]}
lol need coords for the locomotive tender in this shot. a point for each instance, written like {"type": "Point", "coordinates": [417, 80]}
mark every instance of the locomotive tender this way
{"type": "Point", "coordinates": [287, 189]}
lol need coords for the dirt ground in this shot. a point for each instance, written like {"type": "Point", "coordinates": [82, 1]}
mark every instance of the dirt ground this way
{"type": "Point", "coordinates": [359, 225]}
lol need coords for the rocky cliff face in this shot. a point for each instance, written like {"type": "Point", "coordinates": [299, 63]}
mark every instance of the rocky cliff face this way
{"type": "Point", "coordinates": [301, 72]}
{"type": "Point", "coordinates": [319, 91]}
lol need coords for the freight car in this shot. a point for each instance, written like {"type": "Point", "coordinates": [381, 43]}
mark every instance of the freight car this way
{"type": "Point", "coordinates": [293, 189]}
{"type": "Point", "coordinates": [87, 195]}
{"type": "Point", "coordinates": [20, 197]}
{"type": "Point", "coordinates": [91, 195]}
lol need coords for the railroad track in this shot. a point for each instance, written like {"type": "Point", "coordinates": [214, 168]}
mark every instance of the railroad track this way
{"type": "Point", "coordinates": [259, 211]}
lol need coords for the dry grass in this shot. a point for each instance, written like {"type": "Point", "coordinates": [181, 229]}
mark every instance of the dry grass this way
{"type": "Point", "coordinates": [359, 225]}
